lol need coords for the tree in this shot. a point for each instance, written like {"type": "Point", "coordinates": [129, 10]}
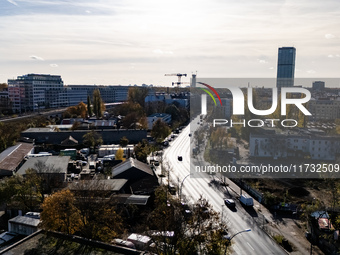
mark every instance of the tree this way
{"type": "Point", "coordinates": [219, 138]}
{"type": "Point", "coordinates": [137, 95]}
{"type": "Point", "coordinates": [75, 125]}
{"type": "Point", "coordinates": [123, 141]}
{"type": "Point", "coordinates": [92, 139]}
{"type": "Point", "coordinates": [142, 150]}
{"type": "Point", "coordinates": [3, 86]}
{"type": "Point", "coordinates": [75, 111]}
{"type": "Point", "coordinates": [160, 130]}
{"type": "Point", "coordinates": [82, 109]}
{"type": "Point", "coordinates": [200, 231]}
{"type": "Point", "coordinates": [89, 107]}
{"type": "Point", "coordinates": [60, 213]}
{"type": "Point", "coordinates": [98, 104]}
{"type": "Point", "coordinates": [119, 154]}
{"type": "Point", "coordinates": [99, 219]}
{"type": "Point", "coordinates": [26, 191]}
{"type": "Point", "coordinates": [143, 122]}
{"type": "Point", "coordinates": [133, 112]}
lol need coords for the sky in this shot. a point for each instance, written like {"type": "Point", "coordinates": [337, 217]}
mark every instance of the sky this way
{"type": "Point", "coordinates": [124, 42]}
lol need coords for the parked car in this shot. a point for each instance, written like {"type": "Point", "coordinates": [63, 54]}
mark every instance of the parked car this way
{"type": "Point", "coordinates": [230, 203]}
{"type": "Point", "coordinates": [246, 200]}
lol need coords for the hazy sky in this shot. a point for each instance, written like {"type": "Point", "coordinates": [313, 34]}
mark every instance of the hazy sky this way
{"type": "Point", "coordinates": [134, 42]}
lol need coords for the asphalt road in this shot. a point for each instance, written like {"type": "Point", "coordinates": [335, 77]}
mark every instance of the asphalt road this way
{"type": "Point", "coordinates": [253, 242]}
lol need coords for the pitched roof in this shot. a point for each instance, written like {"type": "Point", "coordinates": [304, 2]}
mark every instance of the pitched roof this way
{"type": "Point", "coordinates": [69, 140]}
{"type": "Point", "coordinates": [131, 163]}
{"type": "Point", "coordinates": [13, 156]}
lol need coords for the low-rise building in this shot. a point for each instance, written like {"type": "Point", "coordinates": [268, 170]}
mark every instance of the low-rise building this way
{"type": "Point", "coordinates": [52, 168]}
{"type": "Point", "coordinates": [13, 157]}
{"type": "Point", "coordinates": [324, 109]}
{"type": "Point", "coordinates": [299, 143]}
{"type": "Point", "coordinates": [105, 150]}
{"type": "Point", "coordinates": [109, 136]}
{"type": "Point", "coordinates": [154, 117]}
{"type": "Point", "coordinates": [24, 225]}
{"type": "Point", "coordinates": [141, 178]}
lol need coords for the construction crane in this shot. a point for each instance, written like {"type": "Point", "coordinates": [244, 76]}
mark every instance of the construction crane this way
{"type": "Point", "coordinates": [179, 75]}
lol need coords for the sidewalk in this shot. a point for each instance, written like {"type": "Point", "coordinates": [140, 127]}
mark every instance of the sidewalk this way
{"type": "Point", "coordinates": [292, 229]}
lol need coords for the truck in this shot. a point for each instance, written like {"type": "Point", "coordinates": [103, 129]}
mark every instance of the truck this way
{"type": "Point", "coordinates": [246, 200]}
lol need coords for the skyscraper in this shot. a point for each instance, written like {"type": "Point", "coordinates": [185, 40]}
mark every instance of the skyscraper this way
{"type": "Point", "coordinates": [285, 67]}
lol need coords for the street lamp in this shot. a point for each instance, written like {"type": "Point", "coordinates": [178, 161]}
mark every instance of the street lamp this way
{"type": "Point", "coordinates": [246, 230]}
{"type": "Point", "coordinates": [229, 238]}
{"type": "Point", "coordinates": [180, 189]}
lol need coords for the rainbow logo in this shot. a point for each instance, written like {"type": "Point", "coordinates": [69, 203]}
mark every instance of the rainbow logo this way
{"type": "Point", "coordinates": [209, 93]}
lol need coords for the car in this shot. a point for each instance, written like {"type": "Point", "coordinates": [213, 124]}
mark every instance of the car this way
{"type": "Point", "coordinates": [180, 158]}
{"type": "Point", "coordinates": [230, 203]}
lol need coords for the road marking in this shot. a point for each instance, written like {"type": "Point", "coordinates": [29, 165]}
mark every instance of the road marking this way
{"type": "Point", "coordinates": [250, 246]}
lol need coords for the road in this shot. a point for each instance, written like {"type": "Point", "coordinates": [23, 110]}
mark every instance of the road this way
{"type": "Point", "coordinates": [253, 242]}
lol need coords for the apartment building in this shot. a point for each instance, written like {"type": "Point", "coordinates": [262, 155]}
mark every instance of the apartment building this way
{"type": "Point", "coordinates": [324, 108]}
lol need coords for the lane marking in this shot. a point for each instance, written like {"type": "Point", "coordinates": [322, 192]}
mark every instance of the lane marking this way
{"type": "Point", "coordinates": [251, 246]}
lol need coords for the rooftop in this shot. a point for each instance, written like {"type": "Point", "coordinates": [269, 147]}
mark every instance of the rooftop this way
{"type": "Point", "coordinates": [25, 220]}
{"type": "Point", "coordinates": [108, 185]}
{"type": "Point", "coordinates": [56, 164]}
{"type": "Point", "coordinates": [38, 130]}
{"type": "Point", "coordinates": [42, 242]}
{"type": "Point", "coordinates": [13, 156]}
{"type": "Point", "coordinates": [130, 163]}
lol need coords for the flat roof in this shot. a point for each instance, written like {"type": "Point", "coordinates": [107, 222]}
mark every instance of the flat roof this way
{"type": "Point", "coordinates": [57, 164]}
{"type": "Point", "coordinates": [24, 220]}
{"type": "Point", "coordinates": [38, 130]}
{"type": "Point", "coordinates": [42, 242]}
{"type": "Point", "coordinates": [110, 185]}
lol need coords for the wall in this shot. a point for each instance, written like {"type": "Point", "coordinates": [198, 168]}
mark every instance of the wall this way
{"type": "Point", "coordinates": [110, 136]}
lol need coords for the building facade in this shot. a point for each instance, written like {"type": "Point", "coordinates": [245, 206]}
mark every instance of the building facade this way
{"type": "Point", "coordinates": [305, 144]}
{"type": "Point", "coordinates": [32, 92]}
{"type": "Point", "coordinates": [109, 94]}
{"type": "Point", "coordinates": [285, 67]}
{"type": "Point", "coordinates": [324, 109]}
{"type": "Point", "coordinates": [318, 85]}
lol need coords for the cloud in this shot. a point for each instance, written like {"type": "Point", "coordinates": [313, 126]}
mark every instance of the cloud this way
{"type": "Point", "coordinates": [311, 71]}
{"type": "Point", "coordinates": [87, 11]}
{"type": "Point", "coordinates": [53, 65]}
{"type": "Point", "coordinates": [12, 2]}
{"type": "Point", "coordinates": [330, 56]}
{"type": "Point", "coordinates": [161, 52]}
{"type": "Point", "coordinates": [329, 36]}
{"type": "Point", "coordinates": [262, 61]}
{"type": "Point", "coordinates": [36, 58]}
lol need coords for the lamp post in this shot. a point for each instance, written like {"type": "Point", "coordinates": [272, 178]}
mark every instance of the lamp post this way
{"type": "Point", "coordinates": [246, 230]}
{"type": "Point", "coordinates": [180, 189]}
{"type": "Point", "coordinates": [229, 238]}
